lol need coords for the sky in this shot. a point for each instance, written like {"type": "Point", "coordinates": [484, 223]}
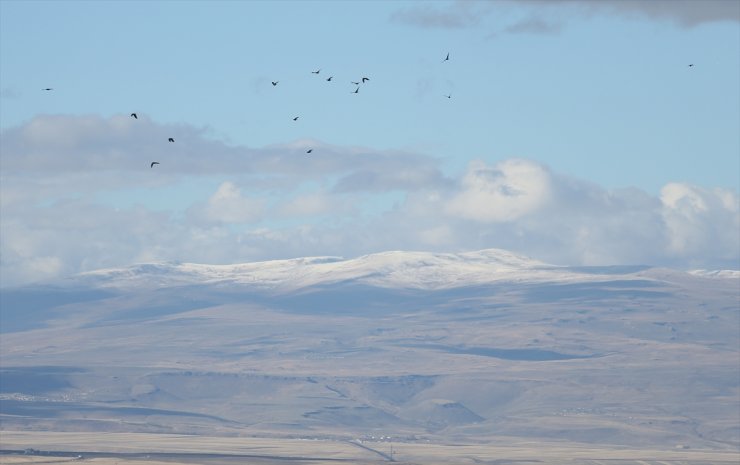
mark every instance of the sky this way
{"type": "Point", "coordinates": [571, 131]}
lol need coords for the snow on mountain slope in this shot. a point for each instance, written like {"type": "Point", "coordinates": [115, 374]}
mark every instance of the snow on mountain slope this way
{"type": "Point", "coordinates": [724, 274]}
{"type": "Point", "coordinates": [416, 270]}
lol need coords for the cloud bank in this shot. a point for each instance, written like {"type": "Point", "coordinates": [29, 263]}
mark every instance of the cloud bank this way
{"type": "Point", "coordinates": [274, 202]}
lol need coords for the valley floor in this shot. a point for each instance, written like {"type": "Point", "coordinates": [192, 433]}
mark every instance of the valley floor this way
{"type": "Point", "coordinates": [156, 449]}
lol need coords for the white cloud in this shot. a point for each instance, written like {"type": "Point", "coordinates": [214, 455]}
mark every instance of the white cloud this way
{"type": "Point", "coordinates": [701, 221]}
{"type": "Point", "coordinates": [314, 204]}
{"type": "Point", "coordinates": [228, 205]}
{"type": "Point", "coordinates": [525, 207]}
{"type": "Point", "coordinates": [505, 192]}
{"type": "Point", "coordinates": [37, 242]}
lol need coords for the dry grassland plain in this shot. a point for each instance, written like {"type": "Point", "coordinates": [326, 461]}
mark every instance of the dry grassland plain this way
{"type": "Point", "coordinates": [155, 449]}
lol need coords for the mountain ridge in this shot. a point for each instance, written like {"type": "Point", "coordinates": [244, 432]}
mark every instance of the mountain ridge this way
{"type": "Point", "coordinates": [390, 269]}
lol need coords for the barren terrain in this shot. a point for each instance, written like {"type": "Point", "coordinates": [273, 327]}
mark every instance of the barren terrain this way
{"type": "Point", "coordinates": [446, 359]}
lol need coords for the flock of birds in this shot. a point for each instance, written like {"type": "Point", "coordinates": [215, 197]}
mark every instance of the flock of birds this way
{"type": "Point", "coordinates": [358, 83]}
{"type": "Point", "coordinates": [318, 71]}
{"type": "Point", "coordinates": [329, 79]}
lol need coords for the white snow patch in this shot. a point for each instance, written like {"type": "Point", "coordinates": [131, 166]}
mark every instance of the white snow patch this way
{"type": "Point", "coordinates": [724, 274]}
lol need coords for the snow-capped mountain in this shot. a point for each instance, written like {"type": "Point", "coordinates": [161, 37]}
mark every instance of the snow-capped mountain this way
{"type": "Point", "coordinates": [395, 269]}
{"type": "Point", "coordinates": [467, 345]}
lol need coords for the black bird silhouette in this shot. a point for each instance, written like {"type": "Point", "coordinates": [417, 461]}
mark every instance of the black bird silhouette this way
{"type": "Point", "coordinates": [691, 65]}
{"type": "Point", "coordinates": [448, 95]}
{"type": "Point", "coordinates": [447, 58]}
{"type": "Point", "coordinates": [274, 83]}
{"type": "Point", "coordinates": [153, 163]}
{"type": "Point", "coordinates": [309, 150]}
{"type": "Point", "coordinates": [316, 72]}
{"type": "Point", "coordinates": [355, 83]}
{"type": "Point", "coordinates": [356, 90]}
{"type": "Point", "coordinates": [329, 78]}
{"type": "Point", "coordinates": [365, 79]}
{"type": "Point", "coordinates": [295, 119]}
{"type": "Point", "coordinates": [133, 115]}
{"type": "Point", "coordinates": [48, 88]}
{"type": "Point", "coordinates": [171, 139]}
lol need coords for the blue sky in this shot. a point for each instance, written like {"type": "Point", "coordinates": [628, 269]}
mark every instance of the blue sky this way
{"type": "Point", "coordinates": [597, 95]}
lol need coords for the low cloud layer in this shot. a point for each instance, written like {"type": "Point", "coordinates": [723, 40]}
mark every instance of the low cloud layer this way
{"type": "Point", "coordinates": [93, 144]}
{"type": "Point", "coordinates": [274, 202]}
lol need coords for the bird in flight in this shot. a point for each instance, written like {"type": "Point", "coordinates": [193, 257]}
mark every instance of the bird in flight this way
{"type": "Point", "coordinates": [295, 119]}
{"type": "Point", "coordinates": [171, 139]}
{"type": "Point", "coordinates": [48, 88]}
{"type": "Point", "coordinates": [316, 72]}
{"type": "Point", "coordinates": [133, 115]}
{"type": "Point", "coordinates": [691, 65]}
{"type": "Point", "coordinates": [448, 95]}
{"type": "Point", "coordinates": [355, 83]}
{"type": "Point", "coordinates": [153, 163]}
{"type": "Point", "coordinates": [274, 83]}
{"type": "Point", "coordinates": [356, 90]}
{"type": "Point", "coordinates": [447, 58]}
{"type": "Point", "coordinates": [365, 79]}
{"type": "Point", "coordinates": [329, 78]}
{"type": "Point", "coordinates": [309, 150]}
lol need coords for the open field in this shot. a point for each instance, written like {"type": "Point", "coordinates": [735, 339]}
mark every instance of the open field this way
{"type": "Point", "coordinates": [153, 449]}
{"type": "Point", "coordinates": [537, 364]}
